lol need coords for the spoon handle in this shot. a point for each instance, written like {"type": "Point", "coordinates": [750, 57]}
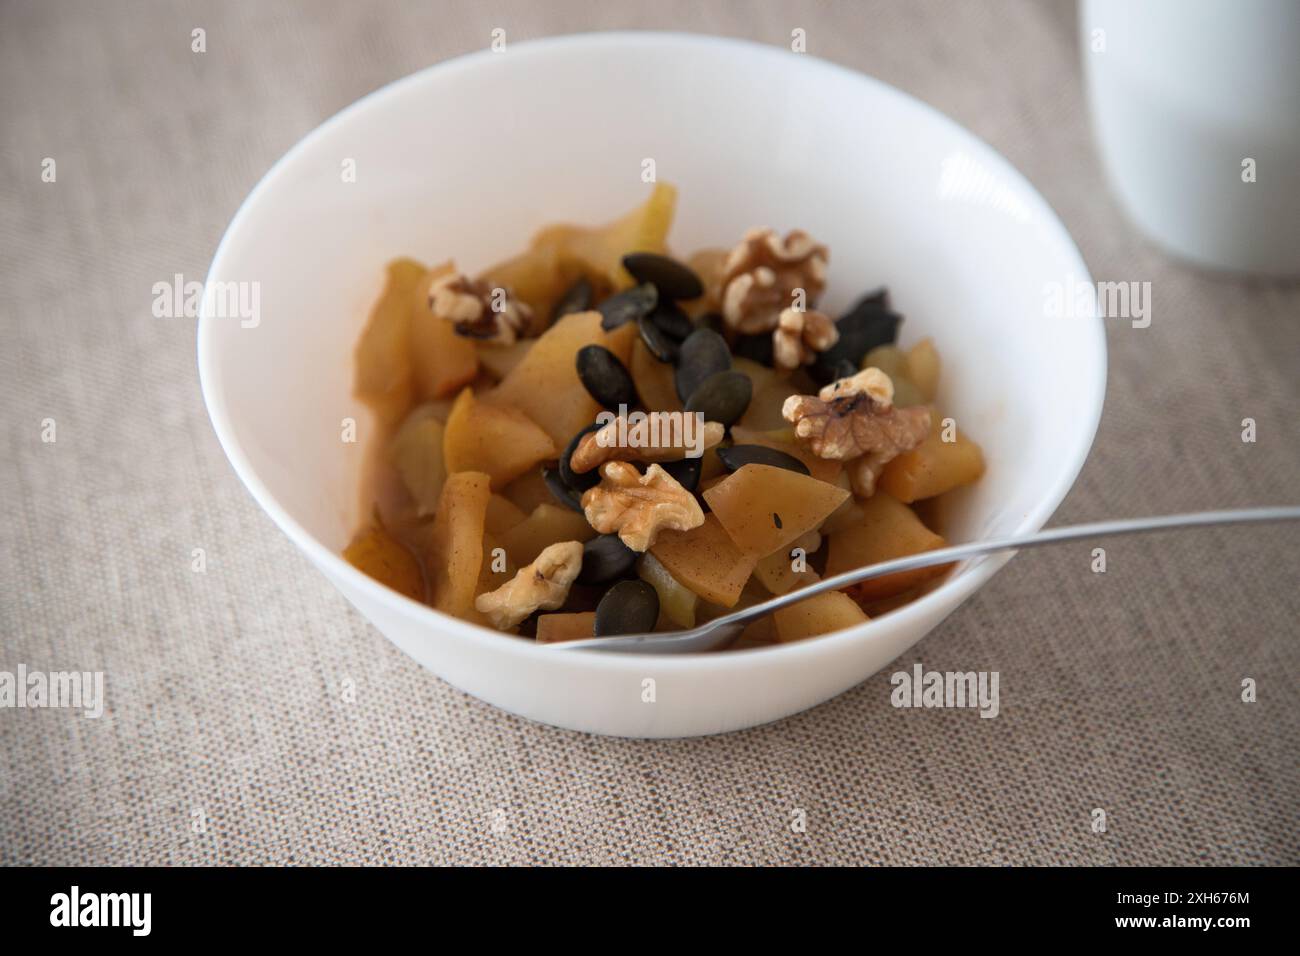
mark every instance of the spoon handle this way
{"type": "Point", "coordinates": [721, 630]}
{"type": "Point", "coordinates": [1037, 539]}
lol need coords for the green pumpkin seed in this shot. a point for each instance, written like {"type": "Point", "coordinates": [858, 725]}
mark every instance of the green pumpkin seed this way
{"type": "Point", "coordinates": [738, 456]}
{"type": "Point", "coordinates": [629, 607]}
{"type": "Point", "coordinates": [605, 378]}
{"type": "Point", "coordinates": [722, 397]}
{"type": "Point", "coordinates": [627, 306]}
{"type": "Point", "coordinates": [605, 558]}
{"type": "Point", "coordinates": [673, 279]}
{"type": "Point", "coordinates": [704, 353]}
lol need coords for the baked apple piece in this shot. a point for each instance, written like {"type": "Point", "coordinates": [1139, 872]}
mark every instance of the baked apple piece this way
{"type": "Point", "coordinates": [888, 529]}
{"type": "Point", "coordinates": [455, 543]}
{"type": "Point", "coordinates": [764, 508]}
{"type": "Point", "coordinates": [498, 440]}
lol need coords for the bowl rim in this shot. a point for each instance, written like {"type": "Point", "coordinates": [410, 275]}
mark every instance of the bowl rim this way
{"type": "Point", "coordinates": [961, 584]}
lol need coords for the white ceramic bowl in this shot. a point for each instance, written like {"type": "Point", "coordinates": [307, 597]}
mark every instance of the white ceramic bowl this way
{"type": "Point", "coordinates": [468, 158]}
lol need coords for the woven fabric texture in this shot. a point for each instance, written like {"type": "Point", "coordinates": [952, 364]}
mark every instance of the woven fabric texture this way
{"type": "Point", "coordinates": [226, 738]}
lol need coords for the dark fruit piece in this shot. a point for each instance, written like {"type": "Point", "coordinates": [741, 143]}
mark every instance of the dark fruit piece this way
{"type": "Point", "coordinates": [577, 298]}
{"type": "Point", "coordinates": [605, 378]}
{"type": "Point", "coordinates": [672, 320]}
{"type": "Point", "coordinates": [661, 345]}
{"type": "Point", "coordinates": [627, 306]}
{"type": "Point", "coordinates": [704, 353]}
{"type": "Point", "coordinates": [756, 348]}
{"type": "Point", "coordinates": [673, 279]}
{"type": "Point", "coordinates": [559, 490]}
{"type": "Point", "coordinates": [737, 456]}
{"type": "Point", "coordinates": [629, 607]}
{"type": "Point", "coordinates": [605, 558]}
{"type": "Point", "coordinates": [685, 472]}
{"type": "Point", "coordinates": [862, 328]}
{"type": "Point", "coordinates": [722, 397]}
{"type": "Point", "coordinates": [578, 483]}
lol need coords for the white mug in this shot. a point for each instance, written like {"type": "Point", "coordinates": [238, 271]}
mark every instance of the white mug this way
{"type": "Point", "coordinates": [1196, 112]}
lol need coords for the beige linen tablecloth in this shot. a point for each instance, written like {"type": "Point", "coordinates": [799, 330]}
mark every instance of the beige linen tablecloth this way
{"type": "Point", "coordinates": [226, 737]}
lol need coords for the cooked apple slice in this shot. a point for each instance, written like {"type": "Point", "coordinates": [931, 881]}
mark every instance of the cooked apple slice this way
{"type": "Point", "coordinates": [706, 560]}
{"type": "Point", "coordinates": [819, 614]}
{"type": "Point", "coordinates": [538, 277]}
{"type": "Point", "coordinates": [764, 508]}
{"type": "Point", "coordinates": [547, 525]}
{"type": "Point", "coordinates": [442, 362]}
{"type": "Point", "coordinates": [934, 466]}
{"type": "Point", "coordinates": [502, 514]}
{"type": "Point", "coordinates": [565, 627]}
{"type": "Point", "coordinates": [677, 602]}
{"type": "Point", "coordinates": [383, 353]}
{"type": "Point", "coordinates": [455, 543]}
{"type": "Point", "coordinates": [889, 529]}
{"type": "Point", "coordinates": [783, 570]}
{"type": "Point", "coordinates": [545, 383]}
{"type": "Point", "coordinates": [377, 553]}
{"type": "Point", "coordinates": [497, 440]}
{"type": "Point", "coordinates": [528, 491]}
{"type": "Point", "coordinates": [416, 454]}
{"type": "Point", "coordinates": [654, 380]}
{"type": "Point", "coordinates": [923, 368]}
{"type": "Point", "coordinates": [601, 249]}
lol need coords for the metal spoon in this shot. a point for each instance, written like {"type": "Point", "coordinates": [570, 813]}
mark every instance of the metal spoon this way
{"type": "Point", "coordinates": [722, 631]}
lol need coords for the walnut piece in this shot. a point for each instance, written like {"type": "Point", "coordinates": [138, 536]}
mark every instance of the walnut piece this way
{"type": "Point", "coordinates": [760, 276]}
{"type": "Point", "coordinates": [543, 585]}
{"type": "Point", "coordinates": [799, 336]}
{"type": "Point", "coordinates": [469, 306]}
{"type": "Point", "coordinates": [651, 438]}
{"type": "Point", "coordinates": [854, 419]}
{"type": "Point", "coordinates": [637, 507]}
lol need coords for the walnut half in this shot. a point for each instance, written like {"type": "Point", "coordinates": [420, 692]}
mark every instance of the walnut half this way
{"type": "Point", "coordinates": [799, 336]}
{"type": "Point", "coordinates": [477, 311]}
{"type": "Point", "coordinates": [543, 585]}
{"type": "Point", "coordinates": [760, 276]}
{"type": "Point", "coordinates": [637, 507]}
{"type": "Point", "coordinates": [854, 419]}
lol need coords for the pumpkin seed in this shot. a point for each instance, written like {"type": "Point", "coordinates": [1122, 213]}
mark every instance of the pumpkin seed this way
{"type": "Point", "coordinates": [561, 491]}
{"type": "Point", "coordinates": [578, 483]}
{"type": "Point", "coordinates": [627, 306]}
{"type": "Point", "coordinates": [722, 397]}
{"type": "Point", "coordinates": [659, 343]}
{"type": "Point", "coordinates": [685, 472]}
{"type": "Point", "coordinates": [577, 298]}
{"type": "Point", "coordinates": [868, 324]}
{"type": "Point", "coordinates": [605, 558]}
{"type": "Point", "coordinates": [704, 353]}
{"type": "Point", "coordinates": [629, 607]}
{"type": "Point", "coordinates": [738, 456]}
{"type": "Point", "coordinates": [672, 320]}
{"type": "Point", "coordinates": [605, 378]}
{"type": "Point", "coordinates": [673, 279]}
